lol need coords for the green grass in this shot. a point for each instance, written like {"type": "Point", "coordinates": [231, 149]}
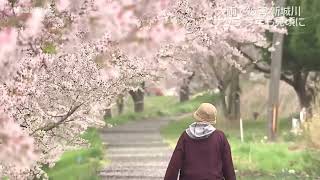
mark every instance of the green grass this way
{"type": "Point", "coordinates": [157, 106]}
{"type": "Point", "coordinates": [255, 158]}
{"type": "Point", "coordinates": [81, 164]}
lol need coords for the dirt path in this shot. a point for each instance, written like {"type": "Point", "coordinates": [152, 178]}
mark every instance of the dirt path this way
{"type": "Point", "coordinates": [136, 150]}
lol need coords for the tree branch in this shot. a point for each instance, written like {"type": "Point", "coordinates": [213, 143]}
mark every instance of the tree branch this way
{"type": "Point", "coordinates": [265, 70]}
{"type": "Point", "coordinates": [62, 120]}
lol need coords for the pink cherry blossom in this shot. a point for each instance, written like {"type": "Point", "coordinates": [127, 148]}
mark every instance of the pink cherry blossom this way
{"type": "Point", "coordinates": [34, 23]}
{"type": "Point", "coordinates": [63, 5]}
{"type": "Point", "coordinates": [8, 40]}
{"type": "Point", "coordinates": [15, 147]}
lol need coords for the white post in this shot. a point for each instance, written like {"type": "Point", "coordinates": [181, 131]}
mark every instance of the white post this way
{"type": "Point", "coordinates": [295, 126]}
{"type": "Point", "coordinates": [241, 130]}
{"type": "Point", "coordinates": [303, 114]}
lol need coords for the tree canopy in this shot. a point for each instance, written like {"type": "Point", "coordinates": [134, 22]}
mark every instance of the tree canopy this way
{"type": "Point", "coordinates": [302, 44]}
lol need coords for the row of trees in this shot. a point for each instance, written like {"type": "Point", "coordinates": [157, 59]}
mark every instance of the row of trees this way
{"type": "Point", "coordinates": [300, 64]}
{"type": "Point", "coordinates": [64, 62]}
{"type": "Point", "coordinates": [300, 60]}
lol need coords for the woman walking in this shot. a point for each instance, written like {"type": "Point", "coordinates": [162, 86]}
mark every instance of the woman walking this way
{"type": "Point", "coordinates": [202, 152]}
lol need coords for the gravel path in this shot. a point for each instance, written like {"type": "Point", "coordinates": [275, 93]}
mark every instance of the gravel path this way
{"type": "Point", "coordinates": [136, 151]}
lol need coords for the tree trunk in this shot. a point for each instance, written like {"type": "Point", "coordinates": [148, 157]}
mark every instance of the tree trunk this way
{"type": "Point", "coordinates": [234, 96]}
{"type": "Point", "coordinates": [305, 101]}
{"type": "Point", "coordinates": [184, 92]}
{"type": "Point", "coordinates": [138, 98]}
{"type": "Point", "coordinates": [304, 92]}
{"type": "Point", "coordinates": [107, 113]}
{"type": "Point", "coordinates": [120, 104]}
{"type": "Point", "coordinates": [231, 103]}
{"type": "Point", "coordinates": [224, 103]}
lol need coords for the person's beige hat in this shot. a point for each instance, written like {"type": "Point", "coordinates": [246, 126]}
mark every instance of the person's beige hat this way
{"type": "Point", "coordinates": [206, 113]}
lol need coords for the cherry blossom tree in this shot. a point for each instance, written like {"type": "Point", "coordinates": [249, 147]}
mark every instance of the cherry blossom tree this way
{"type": "Point", "coordinates": [140, 28]}
{"type": "Point", "coordinates": [181, 65]}
{"type": "Point", "coordinates": [220, 29]}
{"type": "Point", "coordinates": [62, 65]}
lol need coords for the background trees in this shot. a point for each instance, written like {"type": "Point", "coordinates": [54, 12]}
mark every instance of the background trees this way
{"type": "Point", "coordinates": [301, 54]}
{"type": "Point", "coordinates": [300, 63]}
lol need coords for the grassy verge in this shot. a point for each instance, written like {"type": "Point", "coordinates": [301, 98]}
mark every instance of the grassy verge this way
{"type": "Point", "coordinates": [157, 106]}
{"type": "Point", "coordinates": [257, 159]}
{"type": "Point", "coordinates": [81, 164]}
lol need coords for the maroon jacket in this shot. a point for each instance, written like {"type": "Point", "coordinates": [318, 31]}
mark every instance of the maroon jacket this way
{"type": "Point", "coordinates": [201, 159]}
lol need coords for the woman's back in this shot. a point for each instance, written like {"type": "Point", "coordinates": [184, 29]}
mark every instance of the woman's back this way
{"type": "Point", "coordinates": [202, 151]}
{"type": "Point", "coordinates": [202, 159]}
